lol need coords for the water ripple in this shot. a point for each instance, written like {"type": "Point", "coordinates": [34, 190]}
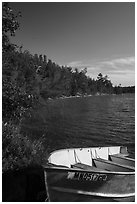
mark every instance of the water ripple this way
{"type": "Point", "coordinates": [92, 121]}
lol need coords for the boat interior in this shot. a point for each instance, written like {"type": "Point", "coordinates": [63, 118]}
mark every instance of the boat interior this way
{"type": "Point", "coordinates": [94, 159]}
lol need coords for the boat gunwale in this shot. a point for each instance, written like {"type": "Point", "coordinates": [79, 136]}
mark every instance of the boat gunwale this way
{"type": "Point", "coordinates": [86, 171]}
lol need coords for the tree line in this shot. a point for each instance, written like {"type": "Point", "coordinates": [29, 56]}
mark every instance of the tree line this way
{"type": "Point", "coordinates": [29, 78]}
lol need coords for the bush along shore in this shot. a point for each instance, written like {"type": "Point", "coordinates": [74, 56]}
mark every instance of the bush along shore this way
{"type": "Point", "coordinates": [27, 82]}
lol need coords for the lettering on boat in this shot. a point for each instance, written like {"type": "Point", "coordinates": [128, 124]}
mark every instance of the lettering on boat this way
{"type": "Point", "coordinates": [86, 176]}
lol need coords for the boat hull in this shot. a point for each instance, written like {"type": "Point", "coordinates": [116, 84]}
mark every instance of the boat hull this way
{"type": "Point", "coordinates": [70, 185]}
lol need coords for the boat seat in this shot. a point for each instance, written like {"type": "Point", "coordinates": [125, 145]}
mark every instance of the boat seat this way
{"type": "Point", "coordinates": [117, 158]}
{"type": "Point", "coordinates": [56, 165]}
{"type": "Point", "coordinates": [85, 167]}
{"type": "Point", "coordinates": [112, 166]}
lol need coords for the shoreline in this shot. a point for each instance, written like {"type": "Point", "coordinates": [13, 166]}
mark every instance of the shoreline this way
{"type": "Point", "coordinates": [78, 96]}
{"type": "Point", "coordinates": [84, 96]}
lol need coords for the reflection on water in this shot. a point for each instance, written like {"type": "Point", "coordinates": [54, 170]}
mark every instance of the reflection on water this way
{"type": "Point", "coordinates": [91, 121]}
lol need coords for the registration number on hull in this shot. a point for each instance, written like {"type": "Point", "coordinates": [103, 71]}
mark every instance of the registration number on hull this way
{"type": "Point", "coordinates": [86, 176]}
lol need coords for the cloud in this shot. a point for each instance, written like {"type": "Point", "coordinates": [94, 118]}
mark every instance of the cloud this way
{"type": "Point", "coordinates": [118, 65]}
{"type": "Point", "coordinates": [117, 68]}
{"type": "Point", "coordinates": [75, 64]}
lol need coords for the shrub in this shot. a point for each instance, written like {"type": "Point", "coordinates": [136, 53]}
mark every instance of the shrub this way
{"type": "Point", "coordinates": [18, 150]}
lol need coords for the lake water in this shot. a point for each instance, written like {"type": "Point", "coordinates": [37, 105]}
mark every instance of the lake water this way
{"type": "Point", "coordinates": [91, 121]}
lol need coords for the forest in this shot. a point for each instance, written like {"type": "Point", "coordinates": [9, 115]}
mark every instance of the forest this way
{"type": "Point", "coordinates": [29, 80]}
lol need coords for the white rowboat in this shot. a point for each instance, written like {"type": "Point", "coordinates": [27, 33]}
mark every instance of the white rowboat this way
{"type": "Point", "coordinates": [90, 174]}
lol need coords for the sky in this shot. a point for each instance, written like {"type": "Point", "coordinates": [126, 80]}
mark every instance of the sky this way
{"type": "Point", "coordinates": [96, 35]}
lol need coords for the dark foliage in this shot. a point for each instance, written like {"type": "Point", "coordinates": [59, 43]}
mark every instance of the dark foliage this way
{"type": "Point", "coordinates": [20, 93]}
{"type": "Point", "coordinates": [9, 26]}
{"type": "Point", "coordinates": [18, 150]}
